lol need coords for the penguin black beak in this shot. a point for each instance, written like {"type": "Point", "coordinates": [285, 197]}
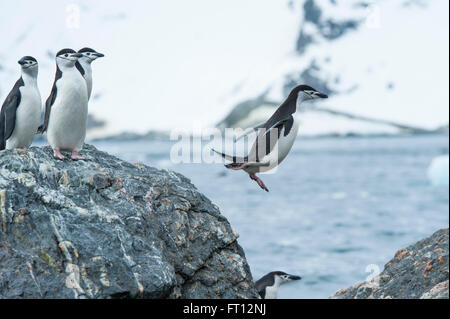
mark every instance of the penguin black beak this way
{"type": "Point", "coordinates": [22, 61]}
{"type": "Point", "coordinates": [291, 277]}
{"type": "Point", "coordinates": [76, 55]}
{"type": "Point", "coordinates": [323, 96]}
{"type": "Point", "coordinates": [99, 55]}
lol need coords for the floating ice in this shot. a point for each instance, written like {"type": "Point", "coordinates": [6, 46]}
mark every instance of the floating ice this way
{"type": "Point", "coordinates": [438, 172]}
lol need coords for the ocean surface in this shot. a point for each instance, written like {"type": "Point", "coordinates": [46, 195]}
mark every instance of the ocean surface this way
{"type": "Point", "coordinates": [337, 211]}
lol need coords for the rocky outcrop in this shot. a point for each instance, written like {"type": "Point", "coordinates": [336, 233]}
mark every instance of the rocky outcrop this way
{"type": "Point", "coordinates": [105, 228]}
{"type": "Point", "coordinates": [418, 271]}
{"type": "Point", "coordinates": [326, 28]}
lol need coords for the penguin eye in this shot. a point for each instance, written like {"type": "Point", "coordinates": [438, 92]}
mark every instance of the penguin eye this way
{"type": "Point", "coordinates": [88, 53]}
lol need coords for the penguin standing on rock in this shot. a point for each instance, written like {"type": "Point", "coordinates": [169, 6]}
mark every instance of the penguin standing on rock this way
{"type": "Point", "coordinates": [268, 285]}
{"type": "Point", "coordinates": [275, 137]}
{"type": "Point", "coordinates": [21, 112]}
{"type": "Point", "coordinates": [66, 108]}
{"type": "Point", "coordinates": [84, 65]}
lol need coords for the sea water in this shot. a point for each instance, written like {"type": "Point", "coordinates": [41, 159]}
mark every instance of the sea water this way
{"type": "Point", "coordinates": [337, 211]}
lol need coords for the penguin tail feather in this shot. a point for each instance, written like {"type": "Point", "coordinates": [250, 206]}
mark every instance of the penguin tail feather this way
{"type": "Point", "coordinates": [236, 161]}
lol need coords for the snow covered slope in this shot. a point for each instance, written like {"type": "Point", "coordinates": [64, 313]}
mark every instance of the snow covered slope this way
{"type": "Point", "coordinates": [387, 60]}
{"type": "Point", "coordinates": [184, 63]}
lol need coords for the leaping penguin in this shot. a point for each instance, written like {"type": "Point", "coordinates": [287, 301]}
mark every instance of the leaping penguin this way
{"type": "Point", "coordinates": [84, 65]}
{"type": "Point", "coordinates": [66, 108]}
{"type": "Point", "coordinates": [21, 112]}
{"type": "Point", "coordinates": [275, 137]}
{"type": "Point", "coordinates": [268, 285]}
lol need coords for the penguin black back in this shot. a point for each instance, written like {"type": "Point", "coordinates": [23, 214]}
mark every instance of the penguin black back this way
{"type": "Point", "coordinates": [8, 113]}
{"type": "Point", "coordinates": [50, 101]}
{"type": "Point", "coordinates": [266, 281]}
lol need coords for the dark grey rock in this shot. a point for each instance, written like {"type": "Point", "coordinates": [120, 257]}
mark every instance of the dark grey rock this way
{"type": "Point", "coordinates": [312, 12]}
{"type": "Point", "coordinates": [105, 228]}
{"type": "Point", "coordinates": [326, 28]}
{"type": "Point", "coordinates": [418, 271]}
{"type": "Point", "coordinates": [332, 30]}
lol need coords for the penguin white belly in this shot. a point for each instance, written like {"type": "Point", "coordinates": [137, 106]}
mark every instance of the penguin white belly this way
{"type": "Point", "coordinates": [285, 142]}
{"type": "Point", "coordinates": [271, 292]}
{"type": "Point", "coordinates": [279, 152]}
{"type": "Point", "coordinates": [28, 118]}
{"type": "Point", "coordinates": [67, 123]}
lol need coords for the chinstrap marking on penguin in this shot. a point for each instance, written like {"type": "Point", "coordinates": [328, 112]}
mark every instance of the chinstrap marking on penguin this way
{"type": "Point", "coordinates": [274, 138]}
{"type": "Point", "coordinates": [21, 111]}
{"type": "Point", "coordinates": [269, 285]}
{"type": "Point", "coordinates": [66, 107]}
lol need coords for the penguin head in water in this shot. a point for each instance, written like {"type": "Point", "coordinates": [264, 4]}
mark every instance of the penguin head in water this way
{"type": "Point", "coordinates": [67, 58]}
{"type": "Point", "coordinates": [89, 55]}
{"type": "Point", "coordinates": [28, 64]}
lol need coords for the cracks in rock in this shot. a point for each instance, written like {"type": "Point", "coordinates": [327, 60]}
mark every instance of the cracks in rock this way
{"type": "Point", "coordinates": [132, 264]}
{"type": "Point", "coordinates": [72, 270]}
{"type": "Point", "coordinates": [187, 280]}
{"type": "Point", "coordinates": [30, 269]}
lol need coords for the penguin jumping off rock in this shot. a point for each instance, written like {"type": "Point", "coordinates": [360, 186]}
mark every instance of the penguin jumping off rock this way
{"type": "Point", "coordinates": [21, 112]}
{"type": "Point", "coordinates": [66, 108]}
{"type": "Point", "coordinates": [84, 65]}
{"type": "Point", "coordinates": [275, 137]}
{"type": "Point", "coordinates": [268, 285]}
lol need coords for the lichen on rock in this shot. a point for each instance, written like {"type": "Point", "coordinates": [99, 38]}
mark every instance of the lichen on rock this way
{"type": "Point", "coordinates": [105, 228]}
{"type": "Point", "coordinates": [418, 271]}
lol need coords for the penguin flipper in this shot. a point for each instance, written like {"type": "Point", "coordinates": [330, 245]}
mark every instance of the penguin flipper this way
{"type": "Point", "coordinates": [234, 159]}
{"type": "Point", "coordinates": [9, 117]}
{"type": "Point", "coordinates": [49, 103]}
{"type": "Point", "coordinates": [8, 113]}
{"type": "Point", "coordinates": [287, 123]}
{"type": "Point", "coordinates": [48, 108]}
{"type": "Point", "coordinates": [262, 293]}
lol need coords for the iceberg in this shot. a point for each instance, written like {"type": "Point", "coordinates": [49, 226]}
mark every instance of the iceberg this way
{"type": "Point", "coordinates": [438, 171]}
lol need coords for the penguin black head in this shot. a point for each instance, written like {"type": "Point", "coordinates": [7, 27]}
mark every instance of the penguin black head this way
{"type": "Point", "coordinates": [67, 57]}
{"type": "Point", "coordinates": [283, 277]}
{"type": "Point", "coordinates": [89, 55]}
{"type": "Point", "coordinates": [305, 92]}
{"type": "Point", "coordinates": [28, 63]}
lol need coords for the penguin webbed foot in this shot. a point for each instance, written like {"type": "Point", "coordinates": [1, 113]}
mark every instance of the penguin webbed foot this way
{"type": "Point", "coordinates": [259, 181]}
{"type": "Point", "coordinates": [77, 157]}
{"type": "Point", "coordinates": [58, 154]}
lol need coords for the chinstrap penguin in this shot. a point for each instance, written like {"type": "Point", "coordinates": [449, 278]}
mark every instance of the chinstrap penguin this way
{"type": "Point", "coordinates": [84, 65]}
{"type": "Point", "coordinates": [21, 111]}
{"type": "Point", "coordinates": [268, 285]}
{"type": "Point", "coordinates": [66, 108]}
{"type": "Point", "coordinates": [274, 138]}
